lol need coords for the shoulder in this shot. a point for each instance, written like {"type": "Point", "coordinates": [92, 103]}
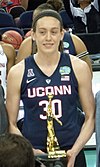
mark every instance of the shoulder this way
{"type": "Point", "coordinates": [26, 43]}
{"type": "Point", "coordinates": [7, 46]}
{"type": "Point", "coordinates": [24, 50]}
{"type": "Point", "coordinates": [80, 67]}
{"type": "Point", "coordinates": [75, 59]}
{"type": "Point", "coordinates": [79, 44]}
{"type": "Point", "coordinates": [77, 41]}
{"type": "Point", "coordinates": [78, 63]}
{"type": "Point", "coordinates": [27, 40]}
{"type": "Point", "coordinates": [8, 50]}
{"type": "Point", "coordinates": [17, 70]}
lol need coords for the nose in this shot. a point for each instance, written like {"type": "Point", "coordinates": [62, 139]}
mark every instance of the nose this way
{"type": "Point", "coordinates": [48, 36]}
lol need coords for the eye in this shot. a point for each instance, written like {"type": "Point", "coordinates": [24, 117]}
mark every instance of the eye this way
{"type": "Point", "coordinates": [54, 32]}
{"type": "Point", "coordinates": [42, 32]}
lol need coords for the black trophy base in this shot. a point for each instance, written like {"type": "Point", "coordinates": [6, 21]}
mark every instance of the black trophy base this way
{"type": "Point", "coordinates": [50, 162]}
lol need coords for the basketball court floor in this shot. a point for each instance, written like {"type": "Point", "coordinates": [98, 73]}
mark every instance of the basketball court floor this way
{"type": "Point", "coordinates": [90, 155]}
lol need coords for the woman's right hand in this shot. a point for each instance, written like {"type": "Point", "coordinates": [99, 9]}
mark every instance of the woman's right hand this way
{"type": "Point", "coordinates": [38, 152]}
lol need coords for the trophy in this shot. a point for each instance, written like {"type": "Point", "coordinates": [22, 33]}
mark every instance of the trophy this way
{"type": "Point", "coordinates": [53, 148]}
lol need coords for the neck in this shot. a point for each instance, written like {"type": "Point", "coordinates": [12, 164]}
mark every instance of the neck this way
{"type": "Point", "coordinates": [84, 5]}
{"type": "Point", "coordinates": [47, 64]}
{"type": "Point", "coordinates": [49, 59]}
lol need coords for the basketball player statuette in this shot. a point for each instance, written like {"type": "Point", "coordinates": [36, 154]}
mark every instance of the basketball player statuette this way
{"type": "Point", "coordinates": [53, 147]}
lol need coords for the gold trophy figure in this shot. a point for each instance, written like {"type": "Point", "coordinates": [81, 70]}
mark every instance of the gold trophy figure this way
{"type": "Point", "coordinates": [53, 147]}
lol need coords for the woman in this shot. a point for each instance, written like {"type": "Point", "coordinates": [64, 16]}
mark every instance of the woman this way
{"type": "Point", "coordinates": [52, 71]}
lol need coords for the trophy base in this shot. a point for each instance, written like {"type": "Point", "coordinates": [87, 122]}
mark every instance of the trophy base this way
{"type": "Point", "coordinates": [57, 154]}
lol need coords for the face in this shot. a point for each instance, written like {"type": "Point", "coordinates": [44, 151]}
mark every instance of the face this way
{"type": "Point", "coordinates": [48, 35]}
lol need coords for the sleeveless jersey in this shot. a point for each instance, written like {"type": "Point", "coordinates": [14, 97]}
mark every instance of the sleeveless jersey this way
{"type": "Point", "coordinates": [3, 64]}
{"type": "Point", "coordinates": [34, 90]}
{"type": "Point", "coordinates": [68, 44]}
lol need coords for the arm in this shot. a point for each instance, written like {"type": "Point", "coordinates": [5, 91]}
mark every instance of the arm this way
{"type": "Point", "coordinates": [11, 55]}
{"type": "Point", "coordinates": [88, 106]}
{"type": "Point", "coordinates": [24, 50]}
{"type": "Point", "coordinates": [13, 96]}
{"type": "Point", "coordinates": [80, 47]}
{"type": "Point", "coordinates": [67, 8]}
{"type": "Point", "coordinates": [14, 80]}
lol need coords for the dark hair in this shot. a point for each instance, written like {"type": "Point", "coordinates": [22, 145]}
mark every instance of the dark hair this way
{"type": "Point", "coordinates": [49, 12]}
{"type": "Point", "coordinates": [56, 4]}
{"type": "Point", "coordinates": [15, 151]}
{"type": "Point", "coordinates": [50, 4]}
{"type": "Point", "coordinates": [40, 8]}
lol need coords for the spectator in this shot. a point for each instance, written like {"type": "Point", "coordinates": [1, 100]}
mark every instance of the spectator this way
{"type": "Point", "coordinates": [8, 4]}
{"type": "Point", "coordinates": [15, 151]}
{"type": "Point", "coordinates": [42, 73]}
{"type": "Point", "coordinates": [32, 5]}
{"type": "Point", "coordinates": [3, 113]}
{"type": "Point", "coordinates": [86, 15]}
{"type": "Point", "coordinates": [97, 99]}
{"type": "Point", "coordinates": [7, 60]}
{"type": "Point", "coordinates": [56, 4]}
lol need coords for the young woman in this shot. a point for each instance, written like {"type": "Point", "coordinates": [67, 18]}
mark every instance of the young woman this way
{"type": "Point", "coordinates": [51, 71]}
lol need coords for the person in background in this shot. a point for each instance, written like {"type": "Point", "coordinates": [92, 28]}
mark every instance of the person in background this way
{"type": "Point", "coordinates": [7, 60]}
{"type": "Point", "coordinates": [15, 151]}
{"type": "Point", "coordinates": [97, 129]}
{"type": "Point", "coordinates": [85, 15]}
{"type": "Point", "coordinates": [3, 113]}
{"type": "Point", "coordinates": [8, 4]}
{"type": "Point", "coordinates": [32, 5]}
{"type": "Point", "coordinates": [56, 4]}
{"type": "Point", "coordinates": [51, 71]}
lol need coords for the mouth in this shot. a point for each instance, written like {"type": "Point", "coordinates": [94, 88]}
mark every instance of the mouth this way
{"type": "Point", "coordinates": [48, 45]}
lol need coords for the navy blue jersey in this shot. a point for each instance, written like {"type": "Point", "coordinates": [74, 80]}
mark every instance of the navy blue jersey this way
{"type": "Point", "coordinates": [34, 90]}
{"type": "Point", "coordinates": [68, 44]}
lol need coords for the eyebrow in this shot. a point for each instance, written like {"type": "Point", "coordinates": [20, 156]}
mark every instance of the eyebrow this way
{"type": "Point", "coordinates": [51, 28]}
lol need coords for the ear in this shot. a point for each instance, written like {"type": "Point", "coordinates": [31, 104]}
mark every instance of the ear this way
{"type": "Point", "coordinates": [62, 34]}
{"type": "Point", "coordinates": [32, 34]}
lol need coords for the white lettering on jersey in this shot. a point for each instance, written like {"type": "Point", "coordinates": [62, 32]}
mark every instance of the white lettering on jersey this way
{"type": "Point", "coordinates": [41, 91]}
{"type": "Point", "coordinates": [55, 102]}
